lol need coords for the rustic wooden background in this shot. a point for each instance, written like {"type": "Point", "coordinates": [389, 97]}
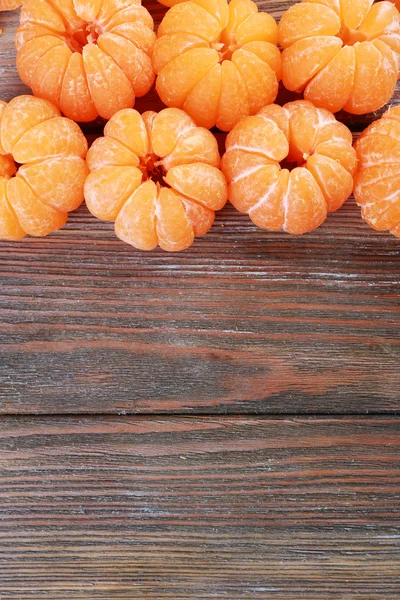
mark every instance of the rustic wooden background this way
{"type": "Point", "coordinates": [221, 423]}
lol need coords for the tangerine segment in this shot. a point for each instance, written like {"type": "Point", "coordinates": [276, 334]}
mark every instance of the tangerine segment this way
{"type": "Point", "coordinates": [78, 105]}
{"type": "Point", "coordinates": [58, 182]}
{"type": "Point", "coordinates": [338, 76]}
{"type": "Point", "coordinates": [128, 128]}
{"type": "Point", "coordinates": [22, 114]}
{"type": "Point", "coordinates": [135, 63]}
{"type": "Point", "coordinates": [135, 223]}
{"type": "Point", "coordinates": [174, 230]}
{"type": "Point", "coordinates": [260, 79]}
{"type": "Point", "coordinates": [107, 152]}
{"type": "Point", "coordinates": [343, 55]}
{"type": "Point", "coordinates": [167, 127]}
{"type": "Point", "coordinates": [260, 135]}
{"type": "Point", "coordinates": [173, 45]}
{"type": "Point", "coordinates": [35, 217]}
{"type": "Point", "coordinates": [268, 212]}
{"type": "Point", "coordinates": [49, 182]}
{"type": "Point", "coordinates": [234, 99]}
{"type": "Point", "coordinates": [41, 12]}
{"type": "Point", "coordinates": [88, 57]}
{"type": "Point", "coordinates": [217, 7]}
{"type": "Point", "coordinates": [56, 137]}
{"type": "Point", "coordinates": [377, 183]}
{"type": "Point", "coordinates": [203, 99]}
{"type": "Point", "coordinates": [199, 182]}
{"type": "Point", "coordinates": [191, 66]}
{"type": "Point", "coordinates": [157, 176]}
{"type": "Point", "coordinates": [199, 216]}
{"type": "Point", "coordinates": [334, 181]}
{"type": "Point", "coordinates": [216, 60]}
{"type": "Point", "coordinates": [49, 72]}
{"type": "Point", "coordinates": [382, 215]}
{"type": "Point", "coordinates": [296, 201]}
{"type": "Point", "coordinates": [194, 146]}
{"type": "Point", "coordinates": [375, 77]}
{"type": "Point", "coordinates": [87, 9]}
{"type": "Point", "coordinates": [304, 203]}
{"type": "Point", "coordinates": [10, 228]}
{"type": "Point", "coordinates": [379, 24]}
{"type": "Point", "coordinates": [107, 188]}
{"type": "Point", "coordinates": [32, 51]}
{"type": "Point", "coordinates": [108, 85]}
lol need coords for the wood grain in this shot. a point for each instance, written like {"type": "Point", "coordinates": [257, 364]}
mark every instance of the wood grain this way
{"type": "Point", "coordinates": [199, 508]}
{"type": "Point", "coordinates": [245, 321]}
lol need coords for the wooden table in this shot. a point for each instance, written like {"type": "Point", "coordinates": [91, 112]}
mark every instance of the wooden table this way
{"type": "Point", "coordinates": [221, 423]}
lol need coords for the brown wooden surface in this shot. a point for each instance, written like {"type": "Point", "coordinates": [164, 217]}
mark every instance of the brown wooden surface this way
{"type": "Point", "coordinates": [244, 321]}
{"type": "Point", "coordinates": [173, 505]}
{"type": "Point", "coordinates": [199, 508]}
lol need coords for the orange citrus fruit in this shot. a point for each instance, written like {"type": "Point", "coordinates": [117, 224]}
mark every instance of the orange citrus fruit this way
{"type": "Point", "coordinates": [50, 151]}
{"type": "Point", "coordinates": [310, 140]}
{"type": "Point", "coordinates": [377, 183]}
{"type": "Point", "coordinates": [157, 176]}
{"type": "Point", "coordinates": [217, 61]}
{"type": "Point", "coordinates": [88, 57]}
{"type": "Point", "coordinates": [9, 4]}
{"type": "Point", "coordinates": [343, 55]}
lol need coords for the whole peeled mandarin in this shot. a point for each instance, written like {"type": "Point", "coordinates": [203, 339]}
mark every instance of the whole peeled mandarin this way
{"type": "Point", "coordinates": [217, 61]}
{"type": "Point", "coordinates": [35, 198]}
{"type": "Point", "coordinates": [88, 57]}
{"type": "Point", "coordinates": [157, 177]}
{"type": "Point", "coordinates": [287, 167]}
{"type": "Point", "coordinates": [377, 183]}
{"type": "Point", "coordinates": [341, 55]}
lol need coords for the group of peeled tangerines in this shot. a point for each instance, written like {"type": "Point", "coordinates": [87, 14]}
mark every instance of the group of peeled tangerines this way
{"type": "Point", "coordinates": [159, 176]}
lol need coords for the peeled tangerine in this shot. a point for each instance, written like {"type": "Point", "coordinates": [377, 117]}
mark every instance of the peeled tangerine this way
{"type": "Point", "coordinates": [344, 54]}
{"type": "Point", "coordinates": [377, 184]}
{"type": "Point", "coordinates": [216, 61]}
{"type": "Point", "coordinates": [88, 57]}
{"type": "Point", "coordinates": [9, 4]}
{"type": "Point", "coordinates": [157, 176]}
{"type": "Point", "coordinates": [276, 198]}
{"type": "Point", "coordinates": [50, 151]}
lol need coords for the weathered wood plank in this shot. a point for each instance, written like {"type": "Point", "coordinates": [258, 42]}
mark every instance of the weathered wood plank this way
{"type": "Point", "coordinates": [199, 508]}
